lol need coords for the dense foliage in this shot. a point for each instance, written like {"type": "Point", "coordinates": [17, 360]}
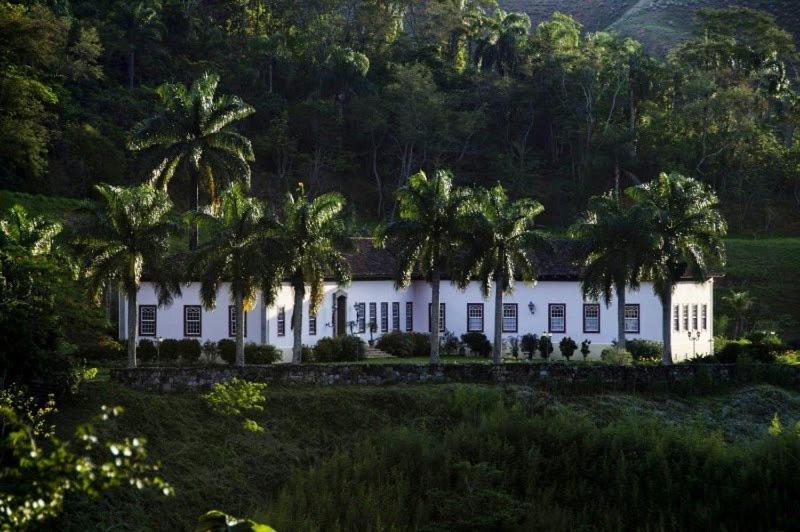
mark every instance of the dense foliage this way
{"type": "Point", "coordinates": [358, 96]}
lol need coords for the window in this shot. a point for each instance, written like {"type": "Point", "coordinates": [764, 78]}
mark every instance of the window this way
{"type": "Point", "coordinates": [686, 317]}
{"type": "Point", "coordinates": [510, 317]}
{"type": "Point", "coordinates": [361, 317]}
{"type": "Point", "coordinates": [147, 320]}
{"type": "Point", "coordinates": [395, 316]}
{"type": "Point", "coordinates": [676, 317]}
{"type": "Point", "coordinates": [474, 317]}
{"type": "Point", "coordinates": [409, 316]}
{"type": "Point", "coordinates": [232, 321]}
{"type": "Point", "coordinates": [441, 317]}
{"type": "Point", "coordinates": [384, 317]}
{"type": "Point", "coordinates": [632, 319]}
{"type": "Point", "coordinates": [373, 316]}
{"type": "Point", "coordinates": [694, 317]}
{"type": "Point", "coordinates": [192, 316]}
{"type": "Point", "coordinates": [591, 318]}
{"type": "Point", "coordinates": [704, 317]}
{"type": "Point", "coordinates": [312, 325]}
{"type": "Point", "coordinates": [557, 318]}
{"type": "Point", "coordinates": [281, 321]}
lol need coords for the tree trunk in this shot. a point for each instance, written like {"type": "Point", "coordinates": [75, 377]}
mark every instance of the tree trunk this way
{"type": "Point", "coordinates": [436, 278]}
{"type": "Point", "coordinates": [194, 232]}
{"type": "Point", "coordinates": [131, 58]}
{"type": "Point", "coordinates": [297, 323]}
{"type": "Point", "coordinates": [131, 295]}
{"type": "Point", "coordinates": [666, 330]}
{"type": "Point", "coordinates": [620, 316]}
{"type": "Point", "coordinates": [239, 309]}
{"type": "Point", "coordinates": [498, 321]}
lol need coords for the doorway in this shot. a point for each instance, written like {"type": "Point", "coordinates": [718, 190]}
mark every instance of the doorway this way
{"type": "Point", "coordinates": [341, 315]}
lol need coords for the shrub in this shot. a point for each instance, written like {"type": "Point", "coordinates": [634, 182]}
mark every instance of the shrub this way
{"type": "Point", "coordinates": [397, 344]}
{"type": "Point", "coordinates": [765, 345]}
{"type": "Point", "coordinates": [209, 351]}
{"type": "Point", "coordinates": [449, 343]}
{"type": "Point", "coordinates": [421, 345]}
{"type": "Point", "coordinates": [513, 346]}
{"type": "Point", "coordinates": [644, 350]}
{"type": "Point", "coordinates": [261, 354]}
{"type": "Point", "coordinates": [227, 350]}
{"type": "Point", "coordinates": [339, 349]}
{"type": "Point", "coordinates": [306, 354]}
{"type": "Point", "coordinates": [236, 398]}
{"type": "Point", "coordinates": [616, 357]}
{"type": "Point", "coordinates": [146, 351]}
{"type": "Point", "coordinates": [352, 348]}
{"type": "Point", "coordinates": [732, 351]}
{"type": "Point", "coordinates": [585, 349]}
{"type": "Point", "coordinates": [545, 346]}
{"type": "Point", "coordinates": [529, 344]}
{"type": "Point", "coordinates": [106, 348]}
{"type": "Point", "coordinates": [168, 350]}
{"type": "Point", "coordinates": [478, 343]}
{"type": "Point", "coordinates": [567, 346]}
{"type": "Point", "coordinates": [189, 350]}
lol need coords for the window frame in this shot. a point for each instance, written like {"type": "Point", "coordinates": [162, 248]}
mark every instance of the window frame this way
{"type": "Point", "coordinates": [638, 308]}
{"type": "Point", "coordinates": [281, 321]}
{"type": "Point", "coordinates": [676, 319]}
{"type": "Point", "coordinates": [373, 315]}
{"type": "Point", "coordinates": [442, 317]}
{"type": "Point", "coordinates": [139, 320]}
{"type": "Point", "coordinates": [409, 316]}
{"type": "Point", "coordinates": [550, 308]}
{"type": "Point", "coordinates": [587, 306]}
{"type": "Point", "coordinates": [471, 306]}
{"type": "Point", "coordinates": [232, 320]}
{"type": "Point", "coordinates": [695, 317]}
{"type": "Point", "coordinates": [361, 317]}
{"type": "Point", "coordinates": [199, 320]}
{"type": "Point", "coordinates": [312, 325]}
{"type": "Point", "coordinates": [503, 328]}
{"type": "Point", "coordinates": [395, 315]}
{"type": "Point", "coordinates": [704, 316]}
{"type": "Point", "coordinates": [384, 317]}
{"type": "Point", "coordinates": [685, 319]}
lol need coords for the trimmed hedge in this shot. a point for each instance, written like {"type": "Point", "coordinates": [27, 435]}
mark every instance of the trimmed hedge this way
{"type": "Point", "coordinates": [405, 344]}
{"type": "Point", "coordinates": [261, 354]}
{"type": "Point", "coordinates": [644, 349]}
{"type": "Point", "coordinates": [339, 349]}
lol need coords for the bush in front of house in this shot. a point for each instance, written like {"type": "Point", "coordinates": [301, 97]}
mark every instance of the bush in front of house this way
{"type": "Point", "coordinates": [529, 343]}
{"type": "Point", "coordinates": [585, 349]}
{"type": "Point", "coordinates": [339, 349]}
{"type": "Point", "coordinates": [449, 344]}
{"type": "Point", "coordinates": [567, 346]}
{"type": "Point", "coordinates": [397, 344]}
{"type": "Point", "coordinates": [168, 350]}
{"type": "Point", "coordinates": [732, 351]}
{"type": "Point", "coordinates": [209, 351]}
{"type": "Point", "coordinates": [226, 348]}
{"type": "Point", "coordinates": [545, 346]}
{"type": "Point", "coordinates": [765, 345]}
{"type": "Point", "coordinates": [146, 351]}
{"type": "Point", "coordinates": [189, 350]}
{"type": "Point", "coordinates": [615, 356]}
{"type": "Point", "coordinates": [261, 354]}
{"type": "Point", "coordinates": [106, 348]}
{"type": "Point", "coordinates": [644, 350]}
{"type": "Point", "coordinates": [478, 343]}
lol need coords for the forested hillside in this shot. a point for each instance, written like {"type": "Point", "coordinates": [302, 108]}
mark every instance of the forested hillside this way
{"type": "Point", "coordinates": [356, 96]}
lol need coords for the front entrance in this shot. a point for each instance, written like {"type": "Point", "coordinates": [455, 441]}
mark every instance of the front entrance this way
{"type": "Point", "coordinates": [341, 315]}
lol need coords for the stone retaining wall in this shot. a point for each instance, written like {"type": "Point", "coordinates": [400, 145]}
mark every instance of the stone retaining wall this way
{"type": "Point", "coordinates": [549, 376]}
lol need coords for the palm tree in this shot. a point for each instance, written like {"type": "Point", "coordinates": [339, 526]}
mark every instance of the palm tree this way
{"type": "Point", "coordinates": [740, 302]}
{"type": "Point", "coordinates": [687, 231]}
{"type": "Point", "coordinates": [195, 136]}
{"type": "Point", "coordinates": [615, 243]}
{"type": "Point", "coordinates": [504, 237]}
{"type": "Point", "coordinates": [243, 242]}
{"type": "Point", "coordinates": [131, 231]}
{"type": "Point", "coordinates": [314, 236]}
{"type": "Point", "coordinates": [426, 235]}
{"type": "Point", "coordinates": [136, 23]}
{"type": "Point", "coordinates": [499, 38]}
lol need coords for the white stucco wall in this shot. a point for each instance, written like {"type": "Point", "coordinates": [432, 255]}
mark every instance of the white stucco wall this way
{"type": "Point", "coordinates": [262, 324]}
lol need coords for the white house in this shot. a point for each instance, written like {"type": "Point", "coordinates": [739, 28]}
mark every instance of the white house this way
{"type": "Point", "coordinates": [553, 304]}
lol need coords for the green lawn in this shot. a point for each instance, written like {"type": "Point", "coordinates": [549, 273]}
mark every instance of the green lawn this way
{"type": "Point", "coordinates": [213, 462]}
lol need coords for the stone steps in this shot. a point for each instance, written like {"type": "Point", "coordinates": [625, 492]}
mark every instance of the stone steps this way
{"type": "Point", "coordinates": [374, 352]}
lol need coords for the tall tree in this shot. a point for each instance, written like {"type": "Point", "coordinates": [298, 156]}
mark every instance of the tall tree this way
{"type": "Point", "coordinates": [502, 248]}
{"type": "Point", "coordinates": [740, 302]}
{"type": "Point", "coordinates": [687, 230]}
{"type": "Point", "coordinates": [194, 134]}
{"type": "Point", "coordinates": [131, 231]}
{"type": "Point", "coordinates": [426, 235]}
{"type": "Point", "coordinates": [615, 242]}
{"type": "Point", "coordinates": [137, 25]}
{"type": "Point", "coordinates": [314, 236]}
{"type": "Point", "coordinates": [500, 37]}
{"type": "Point", "coordinates": [241, 249]}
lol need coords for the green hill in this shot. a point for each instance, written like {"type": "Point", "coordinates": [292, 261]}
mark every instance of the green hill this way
{"type": "Point", "coordinates": [659, 24]}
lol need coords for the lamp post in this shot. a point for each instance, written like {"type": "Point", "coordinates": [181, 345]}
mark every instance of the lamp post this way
{"type": "Point", "coordinates": [694, 337]}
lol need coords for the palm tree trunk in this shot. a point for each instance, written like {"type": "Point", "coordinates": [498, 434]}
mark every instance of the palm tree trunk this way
{"type": "Point", "coordinates": [498, 320]}
{"type": "Point", "coordinates": [239, 309]}
{"type": "Point", "coordinates": [620, 289]}
{"type": "Point", "coordinates": [131, 295]}
{"type": "Point", "coordinates": [436, 278]}
{"type": "Point", "coordinates": [666, 333]}
{"type": "Point", "coordinates": [297, 323]}
{"type": "Point", "coordinates": [131, 58]}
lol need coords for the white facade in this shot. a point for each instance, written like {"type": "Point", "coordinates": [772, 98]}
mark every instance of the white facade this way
{"type": "Point", "coordinates": [538, 310]}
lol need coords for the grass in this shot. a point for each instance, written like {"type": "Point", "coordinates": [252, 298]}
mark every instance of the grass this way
{"type": "Point", "coordinates": [56, 208]}
{"type": "Point", "coordinates": [213, 463]}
